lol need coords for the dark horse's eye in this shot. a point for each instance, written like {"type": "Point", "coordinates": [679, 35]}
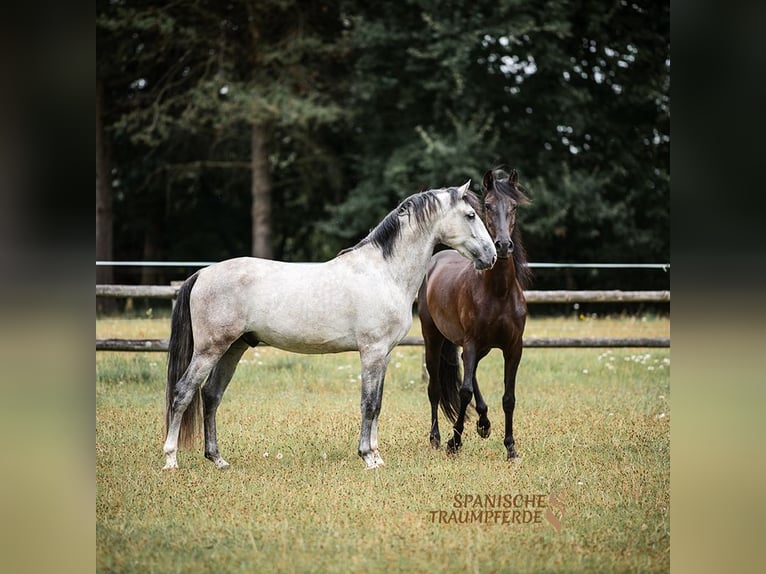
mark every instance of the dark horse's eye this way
{"type": "Point", "coordinates": [470, 215]}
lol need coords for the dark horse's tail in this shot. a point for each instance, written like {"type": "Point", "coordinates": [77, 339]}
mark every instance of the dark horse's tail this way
{"type": "Point", "coordinates": [180, 351]}
{"type": "Point", "coordinates": [450, 380]}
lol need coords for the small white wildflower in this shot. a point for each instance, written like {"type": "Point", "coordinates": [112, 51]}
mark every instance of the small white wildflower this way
{"type": "Point", "coordinates": [585, 371]}
{"type": "Point", "coordinates": [279, 456]}
{"type": "Point", "coordinates": [661, 415]}
{"type": "Point", "coordinates": [265, 454]}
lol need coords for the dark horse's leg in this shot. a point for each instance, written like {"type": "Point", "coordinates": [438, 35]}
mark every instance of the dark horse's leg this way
{"type": "Point", "coordinates": [470, 360]}
{"type": "Point", "coordinates": [512, 357]}
{"type": "Point", "coordinates": [483, 426]}
{"type": "Point", "coordinates": [434, 343]}
{"type": "Point", "coordinates": [212, 393]}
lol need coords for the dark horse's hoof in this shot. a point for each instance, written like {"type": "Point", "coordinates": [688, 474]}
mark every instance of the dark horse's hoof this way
{"type": "Point", "coordinates": [513, 455]}
{"type": "Point", "coordinates": [435, 442]}
{"type": "Point", "coordinates": [484, 428]}
{"type": "Point", "coordinates": [453, 447]}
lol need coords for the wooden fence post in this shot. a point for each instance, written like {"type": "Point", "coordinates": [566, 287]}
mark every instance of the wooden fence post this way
{"type": "Point", "coordinates": [175, 285]}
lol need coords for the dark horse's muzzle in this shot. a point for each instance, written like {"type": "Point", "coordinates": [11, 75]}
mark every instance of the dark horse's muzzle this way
{"type": "Point", "coordinates": [504, 248]}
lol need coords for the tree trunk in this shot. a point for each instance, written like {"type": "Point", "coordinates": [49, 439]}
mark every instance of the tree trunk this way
{"type": "Point", "coordinates": [261, 193]}
{"type": "Point", "coordinates": [104, 219]}
{"type": "Point", "coordinates": [151, 250]}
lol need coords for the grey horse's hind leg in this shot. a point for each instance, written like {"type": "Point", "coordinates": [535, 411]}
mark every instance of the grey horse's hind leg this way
{"type": "Point", "coordinates": [212, 393]}
{"type": "Point", "coordinates": [374, 366]}
{"type": "Point", "coordinates": [200, 366]}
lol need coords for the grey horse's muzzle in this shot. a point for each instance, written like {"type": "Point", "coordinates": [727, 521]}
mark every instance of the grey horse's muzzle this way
{"type": "Point", "coordinates": [485, 260]}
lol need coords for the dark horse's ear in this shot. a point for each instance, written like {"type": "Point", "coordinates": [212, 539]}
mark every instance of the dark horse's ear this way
{"type": "Point", "coordinates": [514, 177]}
{"type": "Point", "coordinates": [488, 180]}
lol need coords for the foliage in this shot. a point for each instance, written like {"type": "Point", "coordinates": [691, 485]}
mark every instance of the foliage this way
{"type": "Point", "coordinates": [373, 101]}
{"type": "Point", "coordinates": [575, 96]}
{"type": "Point", "coordinates": [184, 84]}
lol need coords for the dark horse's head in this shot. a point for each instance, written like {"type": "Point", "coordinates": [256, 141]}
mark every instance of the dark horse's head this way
{"type": "Point", "coordinates": [502, 195]}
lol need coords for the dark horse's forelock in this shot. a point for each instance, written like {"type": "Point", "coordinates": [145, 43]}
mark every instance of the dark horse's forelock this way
{"type": "Point", "coordinates": [502, 184]}
{"type": "Point", "coordinates": [417, 208]}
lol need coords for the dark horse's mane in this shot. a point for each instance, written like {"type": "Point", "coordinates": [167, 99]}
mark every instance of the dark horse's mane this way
{"type": "Point", "coordinates": [419, 206]}
{"type": "Point", "coordinates": [503, 185]}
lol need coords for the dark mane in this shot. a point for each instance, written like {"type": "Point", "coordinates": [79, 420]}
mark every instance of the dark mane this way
{"type": "Point", "coordinates": [503, 185]}
{"type": "Point", "coordinates": [419, 207]}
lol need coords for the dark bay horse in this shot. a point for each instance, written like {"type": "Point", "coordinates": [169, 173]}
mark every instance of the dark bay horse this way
{"type": "Point", "coordinates": [460, 306]}
{"type": "Point", "coordinates": [360, 300]}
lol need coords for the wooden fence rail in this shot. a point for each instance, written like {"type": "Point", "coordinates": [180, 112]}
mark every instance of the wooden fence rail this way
{"type": "Point", "coordinates": [611, 296]}
{"type": "Point", "coordinates": [161, 345]}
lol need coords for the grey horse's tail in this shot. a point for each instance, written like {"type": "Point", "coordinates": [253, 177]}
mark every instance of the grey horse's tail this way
{"type": "Point", "coordinates": [450, 380]}
{"type": "Point", "coordinates": [180, 351]}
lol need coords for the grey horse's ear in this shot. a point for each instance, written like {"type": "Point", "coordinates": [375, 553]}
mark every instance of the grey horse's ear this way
{"type": "Point", "coordinates": [488, 179]}
{"type": "Point", "coordinates": [463, 189]}
{"type": "Point", "coordinates": [514, 177]}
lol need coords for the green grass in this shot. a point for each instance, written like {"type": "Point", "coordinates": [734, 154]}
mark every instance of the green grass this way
{"type": "Point", "coordinates": [592, 426]}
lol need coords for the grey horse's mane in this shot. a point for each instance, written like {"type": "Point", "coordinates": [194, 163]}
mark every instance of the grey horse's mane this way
{"type": "Point", "coordinates": [419, 207]}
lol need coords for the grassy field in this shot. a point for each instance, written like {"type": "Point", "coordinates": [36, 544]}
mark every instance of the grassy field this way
{"type": "Point", "coordinates": [592, 427]}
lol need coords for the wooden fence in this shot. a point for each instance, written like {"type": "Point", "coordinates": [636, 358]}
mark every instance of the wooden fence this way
{"type": "Point", "coordinates": [611, 296]}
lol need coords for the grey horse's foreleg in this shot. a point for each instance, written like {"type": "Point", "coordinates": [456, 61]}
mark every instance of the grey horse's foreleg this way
{"type": "Point", "coordinates": [374, 366]}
